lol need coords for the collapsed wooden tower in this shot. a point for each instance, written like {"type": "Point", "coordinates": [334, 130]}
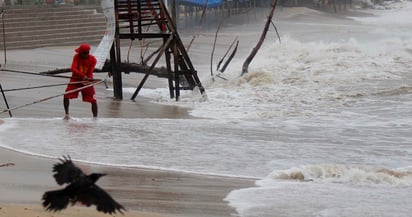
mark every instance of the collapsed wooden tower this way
{"type": "Point", "coordinates": [149, 19]}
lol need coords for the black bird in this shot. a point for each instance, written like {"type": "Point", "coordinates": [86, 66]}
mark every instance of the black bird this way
{"type": "Point", "coordinates": [80, 188]}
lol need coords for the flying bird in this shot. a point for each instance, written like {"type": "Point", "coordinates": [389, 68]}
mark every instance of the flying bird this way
{"type": "Point", "coordinates": [81, 188]}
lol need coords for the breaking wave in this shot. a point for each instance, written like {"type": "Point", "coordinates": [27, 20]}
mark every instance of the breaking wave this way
{"type": "Point", "coordinates": [345, 174]}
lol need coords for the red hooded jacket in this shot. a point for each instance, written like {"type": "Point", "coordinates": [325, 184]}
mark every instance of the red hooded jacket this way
{"type": "Point", "coordinates": [82, 67]}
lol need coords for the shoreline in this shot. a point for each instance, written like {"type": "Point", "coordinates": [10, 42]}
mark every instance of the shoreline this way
{"type": "Point", "coordinates": [158, 192]}
{"type": "Point", "coordinates": [125, 166]}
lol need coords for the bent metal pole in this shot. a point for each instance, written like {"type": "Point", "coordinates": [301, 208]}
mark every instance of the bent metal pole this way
{"type": "Point", "coordinates": [5, 101]}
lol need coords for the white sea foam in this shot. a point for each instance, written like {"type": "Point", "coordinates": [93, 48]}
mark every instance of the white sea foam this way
{"type": "Point", "coordinates": [327, 190]}
{"type": "Point", "coordinates": [309, 78]}
{"type": "Point", "coordinates": [338, 173]}
{"type": "Point", "coordinates": [296, 78]}
{"type": "Point", "coordinates": [311, 199]}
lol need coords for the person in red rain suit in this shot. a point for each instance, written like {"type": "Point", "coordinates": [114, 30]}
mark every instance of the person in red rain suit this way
{"type": "Point", "coordinates": [82, 70]}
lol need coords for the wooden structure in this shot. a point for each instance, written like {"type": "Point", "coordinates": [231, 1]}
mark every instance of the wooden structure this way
{"type": "Point", "coordinates": [149, 19]}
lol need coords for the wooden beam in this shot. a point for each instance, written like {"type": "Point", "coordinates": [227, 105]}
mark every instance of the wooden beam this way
{"type": "Point", "coordinates": [143, 35]}
{"type": "Point", "coordinates": [165, 45]}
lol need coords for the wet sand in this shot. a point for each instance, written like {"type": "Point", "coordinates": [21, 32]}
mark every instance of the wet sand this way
{"type": "Point", "coordinates": [164, 193]}
{"type": "Point", "coordinates": [31, 210]}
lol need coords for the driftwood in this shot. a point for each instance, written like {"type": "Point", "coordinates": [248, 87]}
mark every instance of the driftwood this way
{"type": "Point", "coordinates": [7, 164]}
{"type": "Point", "coordinates": [124, 67]}
{"type": "Point", "coordinates": [249, 59]}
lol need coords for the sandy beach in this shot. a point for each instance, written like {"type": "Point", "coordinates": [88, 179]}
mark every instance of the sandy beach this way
{"type": "Point", "coordinates": [30, 210]}
{"type": "Point", "coordinates": [143, 192]}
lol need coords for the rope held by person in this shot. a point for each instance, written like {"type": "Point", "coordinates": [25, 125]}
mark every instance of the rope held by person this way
{"type": "Point", "coordinates": [41, 86]}
{"type": "Point", "coordinates": [56, 76]}
{"type": "Point", "coordinates": [51, 97]}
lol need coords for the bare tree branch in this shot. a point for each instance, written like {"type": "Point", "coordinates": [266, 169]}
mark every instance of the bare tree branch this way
{"type": "Point", "coordinates": [249, 59]}
{"type": "Point", "coordinates": [198, 26]}
{"type": "Point", "coordinates": [7, 164]}
{"type": "Point", "coordinates": [128, 51]}
{"type": "Point", "coordinates": [145, 61]}
{"type": "Point", "coordinates": [214, 46]}
{"type": "Point", "coordinates": [224, 56]}
{"type": "Point", "coordinates": [230, 57]}
{"type": "Point", "coordinates": [276, 30]}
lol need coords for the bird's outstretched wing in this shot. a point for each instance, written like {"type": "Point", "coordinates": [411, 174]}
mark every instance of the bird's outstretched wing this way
{"type": "Point", "coordinates": [94, 195]}
{"type": "Point", "coordinates": [55, 200]}
{"type": "Point", "coordinates": [66, 171]}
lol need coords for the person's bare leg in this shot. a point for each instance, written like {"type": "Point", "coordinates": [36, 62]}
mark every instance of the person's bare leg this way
{"type": "Point", "coordinates": [66, 103]}
{"type": "Point", "coordinates": [94, 109]}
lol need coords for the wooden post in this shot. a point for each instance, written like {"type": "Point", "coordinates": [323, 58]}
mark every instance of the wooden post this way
{"type": "Point", "coordinates": [116, 73]}
{"type": "Point", "coordinates": [169, 71]}
{"type": "Point", "coordinates": [173, 12]}
{"type": "Point", "coordinates": [115, 59]}
{"type": "Point", "coordinates": [176, 63]}
{"type": "Point", "coordinates": [249, 59]}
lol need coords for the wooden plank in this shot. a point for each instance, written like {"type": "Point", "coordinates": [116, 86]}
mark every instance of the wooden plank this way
{"type": "Point", "coordinates": [165, 45]}
{"type": "Point", "coordinates": [143, 35]}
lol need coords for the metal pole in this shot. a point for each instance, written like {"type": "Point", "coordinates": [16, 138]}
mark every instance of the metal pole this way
{"type": "Point", "coordinates": [4, 37]}
{"type": "Point", "coordinates": [116, 73]}
{"type": "Point", "coordinates": [5, 100]}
